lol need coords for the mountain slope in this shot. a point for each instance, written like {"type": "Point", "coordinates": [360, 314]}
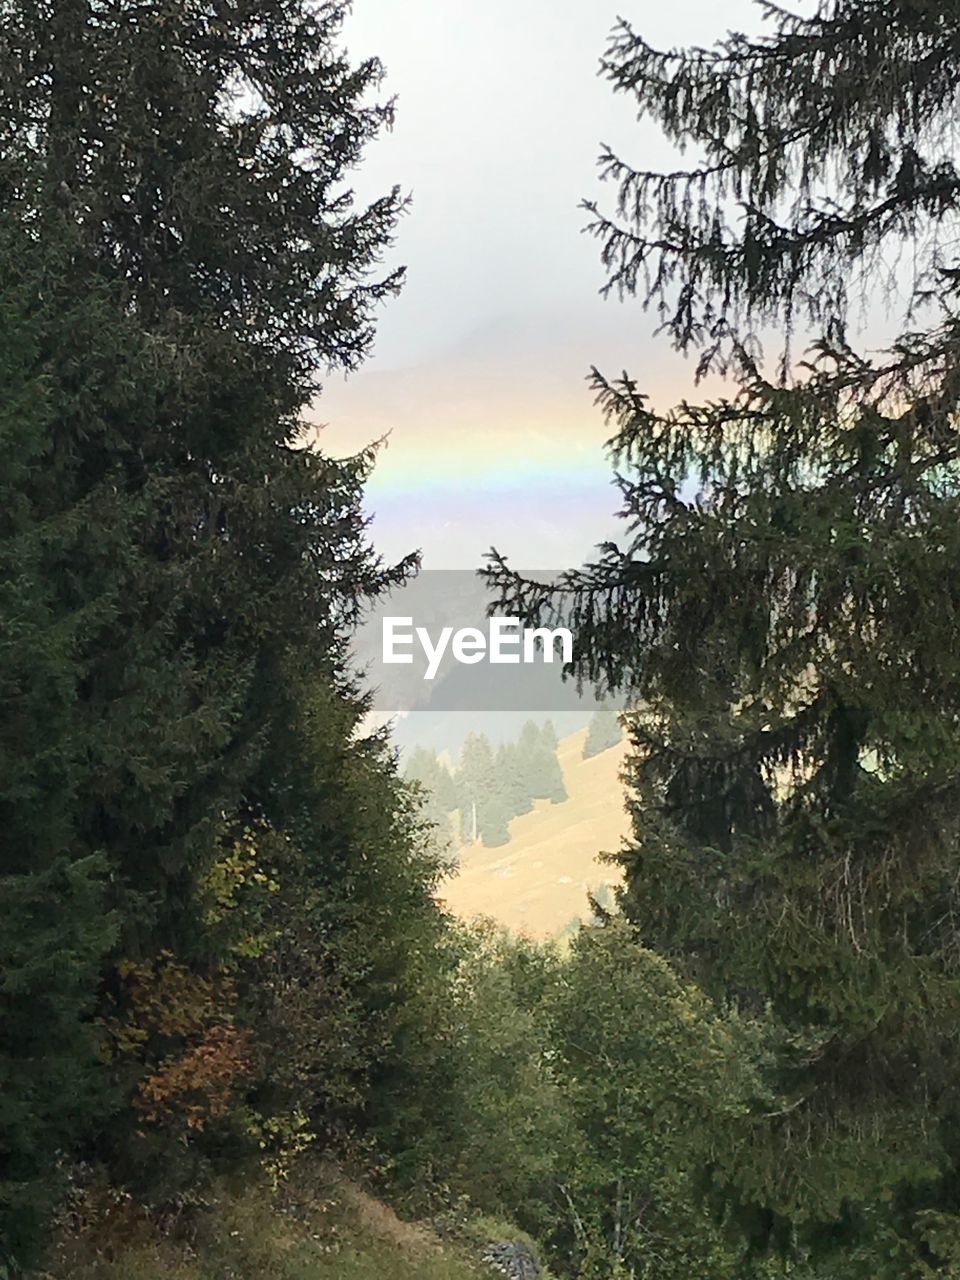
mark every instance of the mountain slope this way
{"type": "Point", "coordinates": [537, 883]}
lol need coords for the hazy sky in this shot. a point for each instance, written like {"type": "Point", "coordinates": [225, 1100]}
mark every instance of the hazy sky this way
{"type": "Point", "coordinates": [500, 117]}
{"type": "Point", "coordinates": [480, 364]}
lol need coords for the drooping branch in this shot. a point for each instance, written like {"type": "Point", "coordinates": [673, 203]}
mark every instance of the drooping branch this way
{"type": "Point", "coordinates": [823, 145]}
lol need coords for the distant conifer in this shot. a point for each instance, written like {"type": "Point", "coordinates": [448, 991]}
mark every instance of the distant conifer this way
{"type": "Point", "coordinates": [603, 732]}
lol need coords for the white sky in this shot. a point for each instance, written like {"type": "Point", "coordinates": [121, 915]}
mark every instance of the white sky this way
{"type": "Point", "coordinates": [479, 369]}
{"type": "Point", "coordinates": [500, 118]}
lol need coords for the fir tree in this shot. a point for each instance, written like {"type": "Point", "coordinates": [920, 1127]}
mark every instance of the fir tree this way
{"type": "Point", "coordinates": [54, 929]}
{"type": "Point", "coordinates": [483, 811]}
{"type": "Point", "coordinates": [785, 604]}
{"type": "Point", "coordinates": [185, 558]}
{"type": "Point", "coordinates": [548, 783]}
{"type": "Point", "coordinates": [436, 788]}
{"type": "Point", "coordinates": [603, 731]}
{"type": "Point", "coordinates": [426, 767]}
{"type": "Point", "coordinates": [496, 823]}
{"type": "Point", "coordinates": [538, 754]}
{"type": "Point", "coordinates": [513, 779]}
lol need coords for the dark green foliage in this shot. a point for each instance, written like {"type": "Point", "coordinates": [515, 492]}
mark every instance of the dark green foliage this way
{"type": "Point", "coordinates": [493, 788]}
{"type": "Point", "coordinates": [603, 732]}
{"type": "Point", "coordinates": [203, 148]}
{"type": "Point", "coordinates": [352, 938]}
{"type": "Point", "coordinates": [483, 807]}
{"type": "Point", "coordinates": [579, 1094]}
{"type": "Point", "coordinates": [655, 1079]}
{"type": "Point", "coordinates": [487, 1124]}
{"type": "Point", "coordinates": [784, 609]}
{"type": "Point", "coordinates": [824, 144]}
{"type": "Point", "coordinates": [437, 791]}
{"type": "Point", "coordinates": [177, 571]}
{"type": "Point", "coordinates": [54, 926]}
{"type": "Point", "coordinates": [54, 938]}
{"type": "Point", "coordinates": [218, 930]}
{"type": "Point", "coordinates": [513, 781]}
{"type": "Point", "coordinates": [538, 755]}
{"type": "Point", "coordinates": [240, 274]}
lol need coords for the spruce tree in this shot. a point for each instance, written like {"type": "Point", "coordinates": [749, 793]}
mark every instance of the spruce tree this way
{"type": "Point", "coordinates": [436, 790]}
{"type": "Point", "coordinates": [185, 554]}
{"type": "Point", "coordinates": [513, 779]}
{"type": "Point", "coordinates": [549, 783]}
{"type": "Point", "coordinates": [538, 753]}
{"type": "Point", "coordinates": [481, 806]}
{"type": "Point", "coordinates": [784, 604]}
{"type": "Point", "coordinates": [426, 767]}
{"type": "Point", "coordinates": [496, 823]}
{"type": "Point", "coordinates": [603, 731]}
{"type": "Point", "coordinates": [54, 929]}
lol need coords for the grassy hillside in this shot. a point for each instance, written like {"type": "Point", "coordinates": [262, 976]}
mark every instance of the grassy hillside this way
{"type": "Point", "coordinates": [336, 1232]}
{"type": "Point", "coordinates": [538, 882]}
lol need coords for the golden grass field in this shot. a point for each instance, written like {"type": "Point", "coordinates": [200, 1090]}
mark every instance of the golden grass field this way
{"type": "Point", "coordinates": [537, 883]}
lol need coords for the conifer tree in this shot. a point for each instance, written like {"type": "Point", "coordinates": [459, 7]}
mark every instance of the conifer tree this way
{"type": "Point", "coordinates": [603, 731]}
{"type": "Point", "coordinates": [549, 784]}
{"type": "Point", "coordinates": [195, 153]}
{"type": "Point", "coordinates": [784, 604]}
{"type": "Point", "coordinates": [496, 822]}
{"type": "Point", "coordinates": [54, 930]}
{"type": "Point", "coordinates": [426, 767]}
{"type": "Point", "coordinates": [483, 808]}
{"type": "Point", "coordinates": [436, 788]}
{"type": "Point", "coordinates": [513, 779]}
{"type": "Point", "coordinates": [538, 753]}
{"type": "Point", "coordinates": [183, 166]}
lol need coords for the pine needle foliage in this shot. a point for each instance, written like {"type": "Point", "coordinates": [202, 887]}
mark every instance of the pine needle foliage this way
{"type": "Point", "coordinates": [186, 261]}
{"type": "Point", "coordinates": [783, 609]}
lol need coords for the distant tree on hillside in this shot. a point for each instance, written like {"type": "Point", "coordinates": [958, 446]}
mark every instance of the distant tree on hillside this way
{"type": "Point", "coordinates": [491, 788]}
{"type": "Point", "coordinates": [476, 783]}
{"type": "Point", "coordinates": [436, 787]}
{"type": "Point", "coordinates": [426, 767]}
{"type": "Point", "coordinates": [513, 781]}
{"type": "Point", "coordinates": [603, 732]}
{"type": "Point", "coordinates": [495, 822]}
{"type": "Point", "coordinates": [538, 753]}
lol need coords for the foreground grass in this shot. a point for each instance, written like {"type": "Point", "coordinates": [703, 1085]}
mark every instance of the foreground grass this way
{"type": "Point", "coordinates": [340, 1234]}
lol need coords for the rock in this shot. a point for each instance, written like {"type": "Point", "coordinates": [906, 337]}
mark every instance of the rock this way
{"type": "Point", "coordinates": [513, 1258]}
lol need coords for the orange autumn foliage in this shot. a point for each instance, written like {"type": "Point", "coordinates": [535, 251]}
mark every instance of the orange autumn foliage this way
{"type": "Point", "coordinates": [180, 1024]}
{"type": "Point", "coordinates": [196, 1086]}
